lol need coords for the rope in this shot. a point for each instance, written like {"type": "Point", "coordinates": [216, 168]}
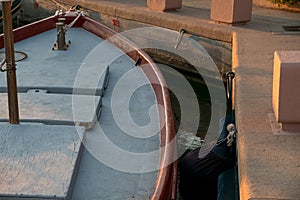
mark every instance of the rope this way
{"type": "Point", "coordinates": [207, 147]}
{"type": "Point", "coordinates": [231, 135]}
{"type": "Point", "coordinates": [60, 5]}
{"type": "Point", "coordinates": [74, 21]}
{"type": "Point", "coordinates": [3, 64]}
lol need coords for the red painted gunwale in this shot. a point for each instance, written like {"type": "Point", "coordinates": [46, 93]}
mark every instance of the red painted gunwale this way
{"type": "Point", "coordinates": [166, 186]}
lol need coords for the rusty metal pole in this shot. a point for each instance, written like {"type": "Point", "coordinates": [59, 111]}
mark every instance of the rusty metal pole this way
{"type": "Point", "coordinates": [10, 63]}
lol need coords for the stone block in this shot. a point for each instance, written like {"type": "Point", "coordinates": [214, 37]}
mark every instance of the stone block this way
{"type": "Point", "coordinates": [286, 90]}
{"type": "Point", "coordinates": [231, 11]}
{"type": "Point", "coordinates": [163, 5]}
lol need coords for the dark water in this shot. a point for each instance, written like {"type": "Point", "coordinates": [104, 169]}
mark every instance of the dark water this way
{"type": "Point", "coordinates": [187, 135]}
{"type": "Point", "coordinates": [203, 98]}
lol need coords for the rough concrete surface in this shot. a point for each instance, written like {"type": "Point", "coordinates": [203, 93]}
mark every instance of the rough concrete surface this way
{"type": "Point", "coordinates": [42, 163]}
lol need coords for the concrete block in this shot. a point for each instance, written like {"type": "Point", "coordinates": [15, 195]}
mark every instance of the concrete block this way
{"type": "Point", "coordinates": [163, 5]}
{"type": "Point", "coordinates": [231, 11]}
{"type": "Point", "coordinates": [286, 90]}
{"type": "Point", "coordinates": [39, 161]}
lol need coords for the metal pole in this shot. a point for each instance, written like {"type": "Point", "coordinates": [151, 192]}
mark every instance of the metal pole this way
{"type": "Point", "coordinates": [10, 63]}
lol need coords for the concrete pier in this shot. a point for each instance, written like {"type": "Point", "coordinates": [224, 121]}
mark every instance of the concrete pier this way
{"type": "Point", "coordinates": [269, 161]}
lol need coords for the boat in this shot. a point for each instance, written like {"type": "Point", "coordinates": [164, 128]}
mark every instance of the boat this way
{"type": "Point", "coordinates": [84, 95]}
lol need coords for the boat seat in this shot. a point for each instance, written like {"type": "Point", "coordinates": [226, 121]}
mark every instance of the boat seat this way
{"type": "Point", "coordinates": [48, 108]}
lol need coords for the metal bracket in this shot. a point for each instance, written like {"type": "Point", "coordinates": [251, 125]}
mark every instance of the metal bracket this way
{"type": "Point", "coordinates": [181, 32]}
{"type": "Point", "coordinates": [229, 76]}
{"type": "Point", "coordinates": [61, 43]}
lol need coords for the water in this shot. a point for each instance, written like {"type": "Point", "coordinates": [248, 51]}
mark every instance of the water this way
{"type": "Point", "coordinates": [189, 136]}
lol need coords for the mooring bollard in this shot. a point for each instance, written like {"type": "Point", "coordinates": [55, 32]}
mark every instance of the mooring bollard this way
{"type": "Point", "coordinates": [231, 11]}
{"type": "Point", "coordinates": [163, 5]}
{"type": "Point", "coordinates": [286, 90]}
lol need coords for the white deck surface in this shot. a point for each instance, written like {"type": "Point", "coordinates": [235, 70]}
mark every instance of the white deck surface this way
{"type": "Point", "coordinates": [38, 160]}
{"type": "Point", "coordinates": [40, 107]}
{"type": "Point", "coordinates": [98, 176]}
{"type": "Point", "coordinates": [114, 163]}
{"type": "Point", "coordinates": [57, 70]}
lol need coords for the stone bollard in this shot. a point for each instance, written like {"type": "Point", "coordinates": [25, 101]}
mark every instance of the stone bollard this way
{"type": "Point", "coordinates": [286, 89]}
{"type": "Point", "coordinates": [231, 11]}
{"type": "Point", "coordinates": [163, 5]}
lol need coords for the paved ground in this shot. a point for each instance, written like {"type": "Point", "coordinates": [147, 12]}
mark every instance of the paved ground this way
{"type": "Point", "coordinates": [269, 162]}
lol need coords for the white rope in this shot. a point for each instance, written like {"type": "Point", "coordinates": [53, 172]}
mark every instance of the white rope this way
{"type": "Point", "coordinates": [59, 5]}
{"type": "Point", "coordinates": [74, 21]}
